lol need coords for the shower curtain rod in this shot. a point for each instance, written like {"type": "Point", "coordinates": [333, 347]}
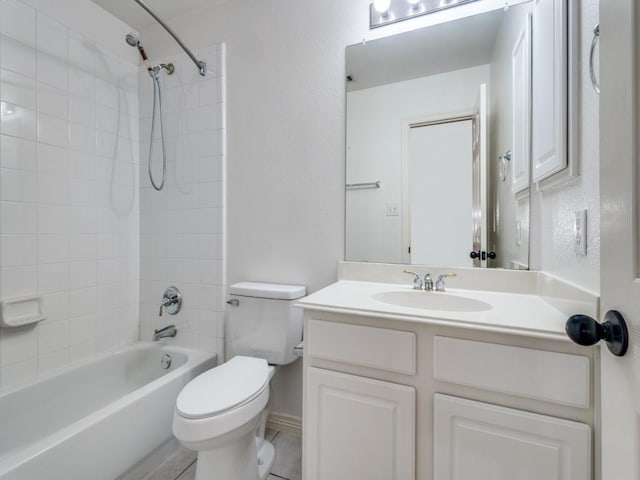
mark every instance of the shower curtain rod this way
{"type": "Point", "coordinates": [202, 66]}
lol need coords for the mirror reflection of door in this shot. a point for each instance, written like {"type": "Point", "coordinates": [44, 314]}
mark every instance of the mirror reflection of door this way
{"type": "Point", "coordinates": [440, 182]}
{"type": "Point", "coordinates": [444, 181]}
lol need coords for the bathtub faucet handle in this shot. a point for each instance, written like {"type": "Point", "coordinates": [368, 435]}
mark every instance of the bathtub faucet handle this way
{"type": "Point", "coordinates": [171, 301]}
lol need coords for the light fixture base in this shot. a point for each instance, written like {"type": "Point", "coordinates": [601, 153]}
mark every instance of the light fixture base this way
{"type": "Point", "coordinates": [400, 10]}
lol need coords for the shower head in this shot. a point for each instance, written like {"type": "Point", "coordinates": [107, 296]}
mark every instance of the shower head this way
{"type": "Point", "coordinates": [133, 40]}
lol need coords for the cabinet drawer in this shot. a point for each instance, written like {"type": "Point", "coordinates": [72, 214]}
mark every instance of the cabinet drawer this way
{"type": "Point", "coordinates": [550, 376]}
{"type": "Point", "coordinates": [379, 348]}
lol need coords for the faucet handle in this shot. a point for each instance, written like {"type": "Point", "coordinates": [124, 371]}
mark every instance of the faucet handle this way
{"type": "Point", "coordinates": [417, 281]}
{"type": "Point", "coordinates": [440, 285]}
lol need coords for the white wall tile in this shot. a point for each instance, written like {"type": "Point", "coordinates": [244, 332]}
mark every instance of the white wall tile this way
{"type": "Point", "coordinates": [18, 217]}
{"type": "Point", "coordinates": [18, 185]}
{"type": "Point", "coordinates": [53, 130]}
{"type": "Point", "coordinates": [18, 57]}
{"type": "Point", "coordinates": [17, 89]}
{"type": "Point", "coordinates": [17, 153]}
{"type": "Point", "coordinates": [53, 70]}
{"type": "Point", "coordinates": [55, 195]}
{"type": "Point", "coordinates": [18, 21]}
{"type": "Point", "coordinates": [52, 37]}
{"type": "Point", "coordinates": [20, 123]}
{"type": "Point", "coordinates": [53, 101]}
{"type": "Point", "coordinates": [18, 281]}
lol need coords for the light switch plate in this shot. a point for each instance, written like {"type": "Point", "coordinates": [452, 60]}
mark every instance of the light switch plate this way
{"type": "Point", "coordinates": [393, 209]}
{"type": "Point", "coordinates": [580, 232]}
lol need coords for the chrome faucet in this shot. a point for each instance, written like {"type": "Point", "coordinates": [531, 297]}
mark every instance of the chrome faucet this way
{"type": "Point", "coordinates": [428, 283]}
{"type": "Point", "coordinates": [168, 331]}
{"type": "Point", "coordinates": [440, 285]}
{"type": "Point", "coordinates": [417, 281]}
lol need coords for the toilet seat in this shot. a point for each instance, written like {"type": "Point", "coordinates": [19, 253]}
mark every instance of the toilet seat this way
{"type": "Point", "coordinates": [223, 388]}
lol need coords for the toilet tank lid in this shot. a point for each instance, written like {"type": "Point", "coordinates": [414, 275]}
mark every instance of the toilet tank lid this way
{"type": "Point", "coordinates": [268, 290]}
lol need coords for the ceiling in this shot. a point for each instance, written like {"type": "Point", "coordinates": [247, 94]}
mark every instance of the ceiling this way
{"type": "Point", "coordinates": [132, 14]}
{"type": "Point", "coordinates": [421, 53]}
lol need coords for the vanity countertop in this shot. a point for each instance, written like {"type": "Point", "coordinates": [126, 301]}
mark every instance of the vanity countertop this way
{"type": "Point", "coordinates": [514, 313]}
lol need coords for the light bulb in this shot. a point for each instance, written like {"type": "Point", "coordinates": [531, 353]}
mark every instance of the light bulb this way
{"type": "Point", "coordinates": [381, 5]}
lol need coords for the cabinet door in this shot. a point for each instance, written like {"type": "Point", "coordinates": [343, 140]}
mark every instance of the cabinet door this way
{"type": "Point", "coordinates": [356, 427]}
{"type": "Point", "coordinates": [549, 88]}
{"type": "Point", "coordinates": [480, 441]}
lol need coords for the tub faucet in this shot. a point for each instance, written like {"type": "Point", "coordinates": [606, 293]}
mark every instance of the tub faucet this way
{"type": "Point", "coordinates": [169, 331]}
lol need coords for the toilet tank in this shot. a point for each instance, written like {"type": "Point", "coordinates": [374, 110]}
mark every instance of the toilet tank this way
{"type": "Point", "coordinates": [263, 322]}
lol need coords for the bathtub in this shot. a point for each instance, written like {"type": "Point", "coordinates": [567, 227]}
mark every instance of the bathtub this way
{"type": "Point", "coordinates": [96, 420]}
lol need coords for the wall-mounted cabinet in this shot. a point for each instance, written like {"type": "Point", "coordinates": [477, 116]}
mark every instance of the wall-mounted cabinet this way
{"type": "Point", "coordinates": [549, 88]}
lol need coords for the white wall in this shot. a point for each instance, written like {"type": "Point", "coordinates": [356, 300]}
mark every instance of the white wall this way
{"type": "Point", "coordinates": [374, 150]}
{"type": "Point", "coordinates": [69, 176]}
{"type": "Point", "coordinates": [286, 110]}
{"type": "Point", "coordinates": [182, 226]}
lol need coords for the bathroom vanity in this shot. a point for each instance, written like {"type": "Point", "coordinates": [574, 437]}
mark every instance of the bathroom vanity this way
{"type": "Point", "coordinates": [466, 384]}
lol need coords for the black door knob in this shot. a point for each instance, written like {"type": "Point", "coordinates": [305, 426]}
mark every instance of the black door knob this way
{"type": "Point", "coordinates": [492, 255]}
{"type": "Point", "coordinates": [475, 255]}
{"type": "Point", "coordinates": [584, 330]}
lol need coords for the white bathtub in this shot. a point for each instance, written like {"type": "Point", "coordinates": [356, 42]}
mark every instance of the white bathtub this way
{"type": "Point", "coordinates": [96, 420]}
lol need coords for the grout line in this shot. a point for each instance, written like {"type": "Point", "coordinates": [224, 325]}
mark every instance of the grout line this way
{"type": "Point", "coordinates": [187, 468]}
{"type": "Point", "coordinates": [278, 476]}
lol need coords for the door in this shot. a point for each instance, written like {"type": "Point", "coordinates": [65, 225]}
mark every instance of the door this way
{"type": "Point", "coordinates": [620, 249]}
{"type": "Point", "coordinates": [440, 185]}
{"type": "Point", "coordinates": [344, 439]}
{"type": "Point", "coordinates": [475, 440]}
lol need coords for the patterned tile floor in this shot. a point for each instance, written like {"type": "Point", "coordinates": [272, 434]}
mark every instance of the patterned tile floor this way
{"type": "Point", "coordinates": [181, 465]}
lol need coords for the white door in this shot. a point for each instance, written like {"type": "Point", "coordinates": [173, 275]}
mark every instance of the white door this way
{"type": "Point", "coordinates": [440, 182]}
{"type": "Point", "coordinates": [360, 428]}
{"type": "Point", "coordinates": [620, 249]}
{"type": "Point", "coordinates": [475, 440]}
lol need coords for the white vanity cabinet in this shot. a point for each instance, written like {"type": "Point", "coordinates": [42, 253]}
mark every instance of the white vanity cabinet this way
{"type": "Point", "coordinates": [388, 399]}
{"type": "Point", "coordinates": [356, 426]}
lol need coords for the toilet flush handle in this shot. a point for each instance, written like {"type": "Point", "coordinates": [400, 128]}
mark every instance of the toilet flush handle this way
{"type": "Point", "coordinates": [234, 302]}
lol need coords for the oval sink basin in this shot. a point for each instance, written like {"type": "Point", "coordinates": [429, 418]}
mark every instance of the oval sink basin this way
{"type": "Point", "coordinates": [432, 301]}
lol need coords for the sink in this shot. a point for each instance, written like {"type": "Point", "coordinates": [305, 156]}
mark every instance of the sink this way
{"type": "Point", "coordinates": [432, 301]}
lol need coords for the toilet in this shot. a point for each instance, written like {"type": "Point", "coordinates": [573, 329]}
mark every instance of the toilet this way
{"type": "Point", "coordinates": [222, 413]}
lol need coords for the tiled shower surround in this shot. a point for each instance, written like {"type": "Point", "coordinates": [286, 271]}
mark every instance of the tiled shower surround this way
{"type": "Point", "coordinates": [182, 226]}
{"type": "Point", "coordinates": [79, 223]}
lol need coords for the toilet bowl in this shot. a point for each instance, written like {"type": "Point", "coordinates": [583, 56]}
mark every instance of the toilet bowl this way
{"type": "Point", "coordinates": [222, 413]}
{"type": "Point", "coordinates": [218, 414]}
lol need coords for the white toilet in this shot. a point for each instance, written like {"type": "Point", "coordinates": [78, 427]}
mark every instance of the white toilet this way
{"type": "Point", "coordinates": [222, 413]}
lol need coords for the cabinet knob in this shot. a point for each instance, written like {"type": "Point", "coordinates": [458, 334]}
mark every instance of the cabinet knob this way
{"type": "Point", "coordinates": [584, 330]}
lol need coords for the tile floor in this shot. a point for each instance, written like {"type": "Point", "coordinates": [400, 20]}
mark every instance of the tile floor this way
{"type": "Point", "coordinates": [181, 465]}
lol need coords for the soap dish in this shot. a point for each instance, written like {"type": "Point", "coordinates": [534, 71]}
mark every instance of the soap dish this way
{"type": "Point", "coordinates": [19, 312]}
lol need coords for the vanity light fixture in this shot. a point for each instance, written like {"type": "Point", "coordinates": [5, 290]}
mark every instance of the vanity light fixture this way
{"type": "Point", "coordinates": [382, 7]}
{"type": "Point", "coordinates": [384, 12]}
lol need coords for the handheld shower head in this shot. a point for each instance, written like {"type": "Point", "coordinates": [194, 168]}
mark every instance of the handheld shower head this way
{"type": "Point", "coordinates": [133, 40]}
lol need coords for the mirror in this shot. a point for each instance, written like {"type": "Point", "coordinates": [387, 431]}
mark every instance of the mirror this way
{"type": "Point", "coordinates": [438, 144]}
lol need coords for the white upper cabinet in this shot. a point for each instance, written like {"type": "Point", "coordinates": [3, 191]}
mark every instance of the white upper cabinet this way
{"type": "Point", "coordinates": [549, 88]}
{"type": "Point", "coordinates": [521, 108]}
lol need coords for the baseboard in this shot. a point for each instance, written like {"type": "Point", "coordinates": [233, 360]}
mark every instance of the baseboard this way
{"type": "Point", "coordinates": [285, 423]}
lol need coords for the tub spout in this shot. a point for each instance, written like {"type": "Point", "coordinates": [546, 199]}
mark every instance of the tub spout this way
{"type": "Point", "coordinates": [169, 331]}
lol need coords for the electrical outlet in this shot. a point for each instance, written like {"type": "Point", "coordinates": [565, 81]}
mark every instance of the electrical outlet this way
{"type": "Point", "coordinates": [580, 232]}
{"type": "Point", "coordinates": [393, 209]}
